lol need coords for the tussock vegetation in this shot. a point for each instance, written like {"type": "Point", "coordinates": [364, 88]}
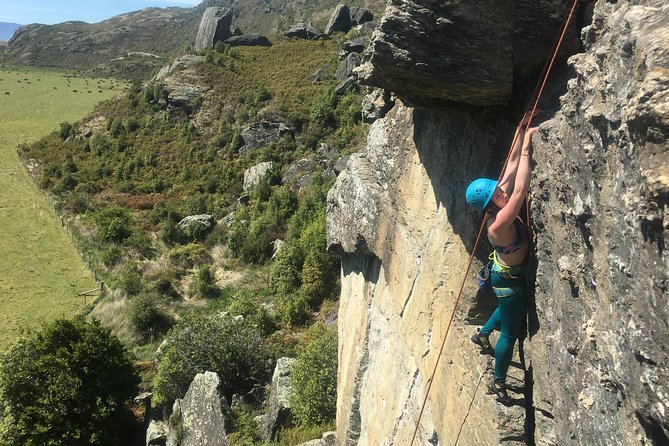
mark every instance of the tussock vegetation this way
{"type": "Point", "coordinates": [126, 176]}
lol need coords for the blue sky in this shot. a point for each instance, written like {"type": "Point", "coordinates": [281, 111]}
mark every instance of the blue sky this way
{"type": "Point", "coordinates": [56, 11]}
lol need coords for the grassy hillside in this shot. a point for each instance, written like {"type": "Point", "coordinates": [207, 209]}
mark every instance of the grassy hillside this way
{"type": "Point", "coordinates": [108, 47]}
{"type": "Point", "coordinates": [40, 271]}
{"type": "Point", "coordinates": [125, 176]}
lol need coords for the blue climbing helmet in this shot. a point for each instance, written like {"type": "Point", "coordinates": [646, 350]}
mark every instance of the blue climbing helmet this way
{"type": "Point", "coordinates": [479, 193]}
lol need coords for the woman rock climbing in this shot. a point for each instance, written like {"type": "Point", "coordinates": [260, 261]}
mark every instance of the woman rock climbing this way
{"type": "Point", "coordinates": [500, 203]}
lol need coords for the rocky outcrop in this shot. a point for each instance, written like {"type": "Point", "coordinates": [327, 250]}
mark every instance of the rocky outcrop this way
{"type": "Point", "coordinates": [263, 133]}
{"type": "Point", "coordinates": [355, 45]}
{"type": "Point", "coordinates": [203, 223]}
{"type": "Point", "coordinates": [199, 419]}
{"type": "Point", "coordinates": [397, 218]}
{"type": "Point", "coordinates": [279, 400]}
{"type": "Point", "coordinates": [302, 30]}
{"type": "Point", "coordinates": [214, 28]}
{"type": "Point", "coordinates": [345, 68]}
{"type": "Point", "coordinates": [430, 53]}
{"type": "Point", "coordinates": [248, 40]}
{"type": "Point", "coordinates": [376, 104]}
{"type": "Point", "coordinates": [255, 174]}
{"type": "Point", "coordinates": [600, 191]}
{"type": "Point", "coordinates": [346, 86]}
{"type": "Point", "coordinates": [340, 21]}
{"type": "Point", "coordinates": [156, 434]}
{"type": "Point", "coordinates": [593, 367]}
{"type": "Point", "coordinates": [360, 15]}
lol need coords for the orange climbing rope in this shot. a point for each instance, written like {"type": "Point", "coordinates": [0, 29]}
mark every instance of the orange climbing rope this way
{"type": "Point", "coordinates": [536, 96]}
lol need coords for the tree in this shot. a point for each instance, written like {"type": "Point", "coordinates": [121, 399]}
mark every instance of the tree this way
{"type": "Point", "coordinates": [230, 347]}
{"type": "Point", "coordinates": [314, 377]}
{"type": "Point", "coordinates": [67, 384]}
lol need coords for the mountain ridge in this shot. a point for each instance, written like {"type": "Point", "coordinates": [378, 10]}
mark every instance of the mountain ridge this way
{"type": "Point", "coordinates": [7, 30]}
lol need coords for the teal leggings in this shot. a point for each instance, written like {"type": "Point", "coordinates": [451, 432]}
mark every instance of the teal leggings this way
{"type": "Point", "coordinates": [508, 320]}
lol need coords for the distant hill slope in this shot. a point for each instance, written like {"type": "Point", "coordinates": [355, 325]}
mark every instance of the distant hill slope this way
{"type": "Point", "coordinates": [103, 47]}
{"type": "Point", "coordinates": [7, 30]}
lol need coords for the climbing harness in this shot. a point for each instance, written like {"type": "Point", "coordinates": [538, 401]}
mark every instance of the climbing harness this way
{"type": "Point", "coordinates": [536, 96]}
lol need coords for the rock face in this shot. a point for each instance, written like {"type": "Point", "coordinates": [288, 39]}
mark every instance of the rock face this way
{"type": "Point", "coordinates": [376, 105]}
{"type": "Point", "coordinates": [254, 175]}
{"type": "Point", "coordinates": [279, 399]}
{"type": "Point", "coordinates": [263, 133]}
{"type": "Point", "coordinates": [600, 328]}
{"type": "Point", "coordinates": [214, 28]}
{"type": "Point", "coordinates": [593, 368]}
{"type": "Point", "coordinates": [200, 414]}
{"type": "Point", "coordinates": [156, 434]}
{"type": "Point", "coordinates": [205, 221]}
{"type": "Point", "coordinates": [340, 21]}
{"type": "Point", "coordinates": [248, 40]}
{"type": "Point", "coordinates": [467, 52]}
{"type": "Point", "coordinates": [360, 15]}
{"type": "Point", "coordinates": [346, 66]}
{"type": "Point", "coordinates": [302, 30]}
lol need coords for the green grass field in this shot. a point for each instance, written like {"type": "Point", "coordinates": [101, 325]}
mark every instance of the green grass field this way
{"type": "Point", "coordinates": [41, 273]}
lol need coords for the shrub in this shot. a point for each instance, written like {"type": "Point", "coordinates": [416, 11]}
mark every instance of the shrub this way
{"type": "Point", "coordinates": [65, 130]}
{"type": "Point", "coordinates": [233, 349]}
{"type": "Point", "coordinates": [292, 309]}
{"type": "Point", "coordinates": [67, 384]}
{"type": "Point", "coordinates": [147, 318]}
{"type": "Point", "coordinates": [244, 303]}
{"type": "Point", "coordinates": [314, 377]}
{"type": "Point", "coordinates": [189, 256]}
{"type": "Point", "coordinates": [205, 282]}
{"type": "Point", "coordinates": [115, 224]}
{"type": "Point", "coordinates": [111, 255]}
{"type": "Point", "coordinates": [284, 276]}
{"type": "Point", "coordinates": [131, 282]}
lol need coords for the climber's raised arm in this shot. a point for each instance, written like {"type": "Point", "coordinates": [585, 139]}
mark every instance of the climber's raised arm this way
{"type": "Point", "coordinates": [508, 213]}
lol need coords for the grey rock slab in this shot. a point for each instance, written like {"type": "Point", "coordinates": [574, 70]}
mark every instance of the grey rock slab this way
{"type": "Point", "coordinates": [279, 399]}
{"type": "Point", "coordinates": [302, 30]}
{"type": "Point", "coordinates": [346, 86]}
{"type": "Point", "coordinates": [259, 134]}
{"type": "Point", "coordinates": [200, 415]}
{"type": "Point", "coordinates": [320, 75]}
{"type": "Point", "coordinates": [255, 174]}
{"type": "Point", "coordinates": [214, 28]}
{"type": "Point", "coordinates": [204, 220]}
{"type": "Point", "coordinates": [248, 40]}
{"type": "Point", "coordinates": [360, 15]}
{"type": "Point", "coordinates": [345, 68]}
{"type": "Point", "coordinates": [156, 434]}
{"type": "Point", "coordinates": [340, 21]}
{"type": "Point", "coordinates": [356, 45]}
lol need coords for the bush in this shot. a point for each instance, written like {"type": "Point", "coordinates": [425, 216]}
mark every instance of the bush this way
{"type": "Point", "coordinates": [292, 309]}
{"type": "Point", "coordinates": [314, 377]}
{"type": "Point", "coordinates": [147, 318]}
{"type": "Point", "coordinates": [115, 224]}
{"type": "Point", "coordinates": [205, 282]}
{"type": "Point", "coordinates": [111, 255]}
{"type": "Point", "coordinates": [131, 282]}
{"type": "Point", "coordinates": [67, 384]}
{"type": "Point", "coordinates": [284, 276]}
{"type": "Point", "coordinates": [233, 349]}
{"type": "Point", "coordinates": [244, 303]}
{"type": "Point", "coordinates": [65, 130]}
{"type": "Point", "coordinates": [189, 256]}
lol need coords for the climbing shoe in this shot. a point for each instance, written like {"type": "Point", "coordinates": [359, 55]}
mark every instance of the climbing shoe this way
{"type": "Point", "coordinates": [481, 340]}
{"type": "Point", "coordinates": [499, 390]}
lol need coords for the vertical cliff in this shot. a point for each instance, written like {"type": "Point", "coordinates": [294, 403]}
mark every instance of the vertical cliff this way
{"type": "Point", "coordinates": [593, 368]}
